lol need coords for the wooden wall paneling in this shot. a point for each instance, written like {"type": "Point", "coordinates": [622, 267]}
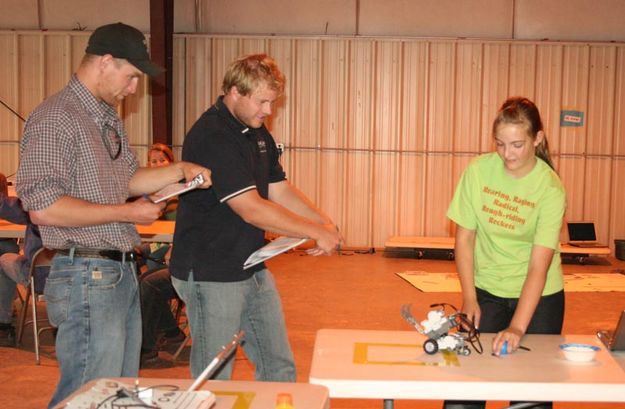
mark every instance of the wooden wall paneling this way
{"type": "Point", "coordinates": [468, 97]}
{"type": "Point", "coordinates": [224, 51]}
{"type": "Point", "coordinates": [414, 89]}
{"type": "Point", "coordinates": [31, 72]}
{"type": "Point", "coordinates": [305, 101]}
{"type": "Point", "coordinates": [619, 106]}
{"type": "Point", "coordinates": [441, 94]}
{"type": "Point", "coordinates": [199, 85]}
{"type": "Point", "coordinates": [360, 141]}
{"type": "Point", "coordinates": [388, 124]}
{"type": "Point", "coordinates": [333, 94]}
{"type": "Point", "coordinates": [305, 174]}
{"type": "Point", "coordinates": [179, 86]}
{"type": "Point", "coordinates": [439, 137]}
{"type": "Point", "coordinates": [9, 154]}
{"type": "Point", "coordinates": [58, 62]}
{"type": "Point", "coordinates": [334, 79]}
{"type": "Point", "coordinates": [494, 88]}
{"type": "Point", "coordinates": [522, 70]}
{"type": "Point", "coordinates": [333, 181]}
{"type": "Point", "coordinates": [459, 164]}
{"type": "Point", "coordinates": [414, 119]}
{"type": "Point", "coordinates": [574, 96]}
{"type": "Point", "coordinates": [304, 105]}
{"type": "Point", "coordinates": [78, 45]}
{"type": "Point", "coordinates": [597, 198]}
{"type": "Point", "coordinates": [438, 193]}
{"type": "Point", "coordinates": [549, 92]}
{"type": "Point", "coordinates": [384, 196]}
{"type": "Point", "coordinates": [281, 121]}
{"type": "Point", "coordinates": [10, 123]}
{"type": "Point", "coordinates": [410, 219]}
{"type": "Point", "coordinates": [136, 114]}
{"type": "Point", "coordinates": [358, 206]}
{"type": "Point", "coordinates": [414, 96]}
{"type": "Point", "coordinates": [617, 202]}
{"type": "Point", "coordinates": [600, 118]}
{"type": "Point", "coordinates": [253, 45]}
{"type": "Point", "coordinates": [141, 152]}
{"type": "Point", "coordinates": [411, 200]}
{"type": "Point", "coordinates": [386, 137]}
{"type": "Point", "coordinates": [386, 95]}
{"type": "Point", "coordinates": [571, 171]}
{"type": "Point", "coordinates": [360, 94]}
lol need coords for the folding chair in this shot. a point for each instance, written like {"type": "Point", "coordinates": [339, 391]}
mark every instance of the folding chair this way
{"type": "Point", "coordinates": [177, 307]}
{"type": "Point", "coordinates": [34, 293]}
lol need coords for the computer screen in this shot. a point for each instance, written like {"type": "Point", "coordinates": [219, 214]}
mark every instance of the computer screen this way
{"type": "Point", "coordinates": [581, 231]}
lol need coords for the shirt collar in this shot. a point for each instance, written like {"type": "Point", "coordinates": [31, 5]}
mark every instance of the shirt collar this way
{"type": "Point", "coordinates": [101, 112]}
{"type": "Point", "coordinates": [235, 124]}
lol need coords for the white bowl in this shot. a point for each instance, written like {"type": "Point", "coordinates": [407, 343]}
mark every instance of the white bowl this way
{"type": "Point", "coordinates": [579, 352]}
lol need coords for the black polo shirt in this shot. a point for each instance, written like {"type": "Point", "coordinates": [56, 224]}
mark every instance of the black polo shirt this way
{"type": "Point", "coordinates": [210, 238]}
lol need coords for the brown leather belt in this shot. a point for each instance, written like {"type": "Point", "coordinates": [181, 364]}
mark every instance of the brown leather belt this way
{"type": "Point", "coordinates": [108, 254]}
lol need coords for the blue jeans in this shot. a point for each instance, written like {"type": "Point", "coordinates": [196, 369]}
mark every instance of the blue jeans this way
{"type": "Point", "coordinates": [153, 255]}
{"type": "Point", "coordinates": [217, 311]}
{"type": "Point", "coordinates": [9, 246]}
{"type": "Point", "coordinates": [12, 271]}
{"type": "Point", "coordinates": [94, 303]}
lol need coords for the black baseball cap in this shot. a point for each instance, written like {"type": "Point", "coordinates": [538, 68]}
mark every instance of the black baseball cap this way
{"type": "Point", "coordinates": [123, 41]}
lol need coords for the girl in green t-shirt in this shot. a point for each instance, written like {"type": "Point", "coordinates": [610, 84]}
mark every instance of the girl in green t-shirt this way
{"type": "Point", "coordinates": [508, 208]}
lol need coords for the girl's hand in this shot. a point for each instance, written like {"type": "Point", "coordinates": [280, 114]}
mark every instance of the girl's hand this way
{"type": "Point", "coordinates": [510, 335]}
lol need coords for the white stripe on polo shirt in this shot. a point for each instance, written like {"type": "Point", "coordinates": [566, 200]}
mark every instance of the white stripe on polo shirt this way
{"type": "Point", "coordinates": [238, 192]}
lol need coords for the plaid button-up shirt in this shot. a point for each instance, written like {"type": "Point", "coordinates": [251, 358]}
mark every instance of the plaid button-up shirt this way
{"type": "Point", "coordinates": [75, 145]}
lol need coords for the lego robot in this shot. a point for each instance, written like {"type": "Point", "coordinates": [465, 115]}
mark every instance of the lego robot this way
{"type": "Point", "coordinates": [453, 332]}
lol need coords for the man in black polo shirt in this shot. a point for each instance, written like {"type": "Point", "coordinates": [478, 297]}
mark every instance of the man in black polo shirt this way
{"type": "Point", "coordinates": [217, 229]}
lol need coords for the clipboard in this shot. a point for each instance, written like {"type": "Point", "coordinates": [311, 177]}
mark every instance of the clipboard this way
{"type": "Point", "coordinates": [272, 249]}
{"type": "Point", "coordinates": [176, 189]}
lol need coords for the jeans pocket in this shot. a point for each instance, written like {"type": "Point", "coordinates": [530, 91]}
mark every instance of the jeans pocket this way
{"type": "Point", "coordinates": [105, 277]}
{"type": "Point", "coordinates": [57, 294]}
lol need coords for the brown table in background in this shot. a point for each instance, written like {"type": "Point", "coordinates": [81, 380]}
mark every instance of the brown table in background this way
{"type": "Point", "coordinates": [160, 231]}
{"type": "Point", "coordinates": [421, 245]}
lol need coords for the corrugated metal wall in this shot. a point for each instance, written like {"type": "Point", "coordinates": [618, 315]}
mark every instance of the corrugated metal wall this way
{"type": "Point", "coordinates": [377, 131]}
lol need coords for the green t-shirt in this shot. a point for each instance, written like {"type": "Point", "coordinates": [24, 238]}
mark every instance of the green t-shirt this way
{"type": "Point", "coordinates": [510, 215]}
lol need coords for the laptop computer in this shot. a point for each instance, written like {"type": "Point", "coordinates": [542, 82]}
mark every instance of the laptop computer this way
{"type": "Point", "coordinates": [614, 340]}
{"type": "Point", "coordinates": [582, 234]}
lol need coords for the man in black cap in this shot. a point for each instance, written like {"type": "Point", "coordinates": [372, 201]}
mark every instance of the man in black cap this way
{"type": "Point", "coordinates": [75, 176]}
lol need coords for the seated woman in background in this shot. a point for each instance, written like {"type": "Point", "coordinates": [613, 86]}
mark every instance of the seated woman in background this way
{"type": "Point", "coordinates": [508, 209]}
{"type": "Point", "coordinates": [14, 267]}
{"type": "Point", "coordinates": [153, 254]}
{"type": "Point", "coordinates": [160, 155]}
{"type": "Point", "coordinates": [155, 283]}
{"type": "Point", "coordinates": [6, 245]}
